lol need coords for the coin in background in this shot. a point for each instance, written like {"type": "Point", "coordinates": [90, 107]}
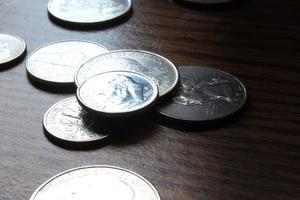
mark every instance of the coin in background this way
{"type": "Point", "coordinates": [117, 93]}
{"type": "Point", "coordinates": [208, 1]}
{"type": "Point", "coordinates": [11, 48]}
{"type": "Point", "coordinates": [57, 62]}
{"type": "Point", "coordinates": [161, 70]}
{"type": "Point", "coordinates": [96, 182]}
{"type": "Point", "coordinates": [88, 12]}
{"type": "Point", "coordinates": [205, 94]}
{"type": "Point", "coordinates": [65, 121]}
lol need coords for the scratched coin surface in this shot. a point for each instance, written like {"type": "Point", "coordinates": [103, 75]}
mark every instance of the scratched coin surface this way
{"type": "Point", "coordinates": [65, 121]}
{"type": "Point", "coordinates": [11, 48]}
{"type": "Point", "coordinates": [88, 11]}
{"type": "Point", "coordinates": [204, 94]}
{"type": "Point", "coordinates": [94, 183]}
{"type": "Point", "coordinates": [117, 93]}
{"type": "Point", "coordinates": [57, 62]}
{"type": "Point", "coordinates": [161, 70]}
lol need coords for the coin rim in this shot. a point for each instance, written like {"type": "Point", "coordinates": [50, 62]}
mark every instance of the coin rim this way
{"type": "Point", "coordinates": [53, 43]}
{"type": "Point", "coordinates": [94, 166]}
{"type": "Point", "coordinates": [24, 47]}
{"type": "Point", "coordinates": [116, 114]}
{"type": "Point", "coordinates": [46, 127]}
{"type": "Point", "coordinates": [92, 22]}
{"type": "Point", "coordinates": [245, 96]}
{"type": "Point", "coordinates": [136, 51]}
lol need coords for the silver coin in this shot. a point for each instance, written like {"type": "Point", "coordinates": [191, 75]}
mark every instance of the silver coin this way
{"type": "Point", "coordinates": [96, 182]}
{"type": "Point", "coordinates": [57, 62]}
{"type": "Point", "coordinates": [64, 121]}
{"type": "Point", "coordinates": [88, 11]}
{"type": "Point", "coordinates": [11, 48]}
{"type": "Point", "coordinates": [117, 93]}
{"type": "Point", "coordinates": [161, 70]}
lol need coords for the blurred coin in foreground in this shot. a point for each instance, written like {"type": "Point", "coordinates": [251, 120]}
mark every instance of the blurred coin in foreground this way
{"type": "Point", "coordinates": [96, 182]}
{"type": "Point", "coordinates": [88, 12]}
{"type": "Point", "coordinates": [11, 48]}
{"type": "Point", "coordinates": [65, 121]}
{"type": "Point", "coordinates": [161, 70]}
{"type": "Point", "coordinates": [57, 62]}
{"type": "Point", "coordinates": [117, 93]}
{"type": "Point", "coordinates": [205, 94]}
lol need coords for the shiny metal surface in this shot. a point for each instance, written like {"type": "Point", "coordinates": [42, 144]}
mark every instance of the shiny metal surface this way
{"type": "Point", "coordinates": [96, 182]}
{"type": "Point", "coordinates": [57, 62]}
{"type": "Point", "coordinates": [161, 70]}
{"type": "Point", "coordinates": [88, 11]}
{"type": "Point", "coordinates": [65, 121]}
{"type": "Point", "coordinates": [117, 93]}
{"type": "Point", "coordinates": [11, 48]}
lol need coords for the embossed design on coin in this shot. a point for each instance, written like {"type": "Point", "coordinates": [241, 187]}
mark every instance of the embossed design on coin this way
{"type": "Point", "coordinates": [57, 62]}
{"type": "Point", "coordinates": [161, 70]}
{"type": "Point", "coordinates": [205, 94]}
{"type": "Point", "coordinates": [117, 92]}
{"type": "Point", "coordinates": [65, 121]}
{"type": "Point", "coordinates": [11, 48]}
{"type": "Point", "coordinates": [88, 11]}
{"type": "Point", "coordinates": [96, 182]}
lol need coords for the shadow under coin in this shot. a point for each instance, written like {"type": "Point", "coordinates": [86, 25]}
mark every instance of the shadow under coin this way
{"type": "Point", "coordinates": [91, 26]}
{"type": "Point", "coordinates": [13, 63]}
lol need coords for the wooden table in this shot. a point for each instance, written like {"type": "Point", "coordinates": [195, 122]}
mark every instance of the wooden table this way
{"type": "Point", "coordinates": [255, 156]}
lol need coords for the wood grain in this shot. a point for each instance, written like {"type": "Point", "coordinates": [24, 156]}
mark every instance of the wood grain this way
{"type": "Point", "coordinates": [253, 157]}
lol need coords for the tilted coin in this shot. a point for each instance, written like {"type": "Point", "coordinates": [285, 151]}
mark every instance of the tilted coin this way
{"type": "Point", "coordinates": [161, 70]}
{"type": "Point", "coordinates": [205, 94]}
{"type": "Point", "coordinates": [117, 93]}
{"type": "Point", "coordinates": [11, 48]}
{"type": "Point", "coordinates": [96, 182]}
{"type": "Point", "coordinates": [57, 62]}
{"type": "Point", "coordinates": [65, 121]}
{"type": "Point", "coordinates": [88, 11]}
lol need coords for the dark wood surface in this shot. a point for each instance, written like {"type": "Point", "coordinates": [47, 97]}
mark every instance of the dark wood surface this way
{"type": "Point", "coordinates": [253, 157]}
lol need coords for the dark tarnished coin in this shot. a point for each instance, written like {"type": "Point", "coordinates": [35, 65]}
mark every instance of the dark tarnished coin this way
{"type": "Point", "coordinates": [64, 121]}
{"type": "Point", "coordinates": [117, 93]}
{"type": "Point", "coordinates": [158, 68]}
{"type": "Point", "coordinates": [94, 183]}
{"type": "Point", "coordinates": [11, 48]}
{"type": "Point", "coordinates": [205, 94]}
{"type": "Point", "coordinates": [57, 62]}
{"type": "Point", "coordinates": [88, 11]}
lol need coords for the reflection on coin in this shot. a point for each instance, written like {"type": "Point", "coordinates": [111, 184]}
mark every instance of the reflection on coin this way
{"type": "Point", "coordinates": [11, 48]}
{"type": "Point", "coordinates": [205, 94]}
{"type": "Point", "coordinates": [65, 121]}
{"type": "Point", "coordinates": [57, 62]}
{"type": "Point", "coordinates": [158, 68]}
{"type": "Point", "coordinates": [88, 11]}
{"type": "Point", "coordinates": [96, 182]}
{"type": "Point", "coordinates": [208, 1]}
{"type": "Point", "coordinates": [117, 93]}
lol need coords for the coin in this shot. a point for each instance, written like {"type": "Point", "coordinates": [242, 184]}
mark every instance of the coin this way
{"type": "Point", "coordinates": [161, 70]}
{"type": "Point", "coordinates": [96, 182]}
{"type": "Point", "coordinates": [117, 93]}
{"type": "Point", "coordinates": [57, 62]}
{"type": "Point", "coordinates": [64, 121]}
{"type": "Point", "coordinates": [205, 94]}
{"type": "Point", "coordinates": [88, 11]}
{"type": "Point", "coordinates": [208, 1]}
{"type": "Point", "coordinates": [11, 48]}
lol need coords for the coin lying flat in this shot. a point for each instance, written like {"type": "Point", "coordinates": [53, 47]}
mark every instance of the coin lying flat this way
{"type": "Point", "coordinates": [11, 48]}
{"type": "Point", "coordinates": [117, 93]}
{"type": "Point", "coordinates": [205, 94]}
{"type": "Point", "coordinates": [64, 121]}
{"type": "Point", "coordinates": [96, 182]}
{"type": "Point", "coordinates": [161, 70]}
{"type": "Point", "coordinates": [57, 62]}
{"type": "Point", "coordinates": [88, 11]}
